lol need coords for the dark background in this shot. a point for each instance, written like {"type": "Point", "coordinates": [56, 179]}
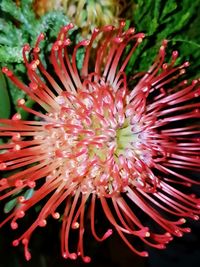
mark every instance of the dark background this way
{"type": "Point", "coordinates": [45, 249]}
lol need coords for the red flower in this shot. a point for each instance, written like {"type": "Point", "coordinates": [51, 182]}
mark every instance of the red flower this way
{"type": "Point", "coordinates": [101, 139]}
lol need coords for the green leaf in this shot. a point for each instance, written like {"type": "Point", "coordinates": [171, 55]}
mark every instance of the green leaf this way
{"type": "Point", "coordinates": [4, 98]}
{"type": "Point", "coordinates": [10, 205]}
{"type": "Point", "coordinates": [168, 9]}
{"type": "Point", "coordinates": [14, 202]}
{"type": "Point", "coordinates": [10, 7]}
{"type": "Point", "coordinates": [173, 20]}
{"type": "Point", "coordinates": [10, 54]}
{"type": "Point", "coordinates": [29, 193]}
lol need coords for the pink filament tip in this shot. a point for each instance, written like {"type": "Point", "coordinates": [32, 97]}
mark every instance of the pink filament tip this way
{"type": "Point", "coordinates": [27, 255]}
{"type": "Point", "coordinates": [31, 184]}
{"type": "Point", "coordinates": [21, 102]}
{"type": "Point", "coordinates": [33, 86]}
{"type": "Point", "coordinates": [20, 214]}
{"type": "Point", "coordinates": [196, 217]}
{"type": "Point", "coordinates": [73, 256]}
{"type": "Point", "coordinates": [15, 243]}
{"type": "Point", "coordinates": [75, 225]}
{"type": "Point", "coordinates": [160, 246]}
{"type": "Point", "coordinates": [108, 28]}
{"type": "Point", "coordinates": [64, 255]}
{"type": "Point", "coordinates": [18, 183]}
{"type": "Point", "coordinates": [3, 166]}
{"type": "Point", "coordinates": [26, 47]}
{"type": "Point", "coordinates": [7, 72]}
{"type": "Point", "coordinates": [41, 37]}
{"type": "Point", "coordinates": [14, 225]}
{"type": "Point", "coordinates": [16, 117]}
{"type": "Point", "coordinates": [122, 23]}
{"type": "Point", "coordinates": [87, 259]}
{"type": "Point", "coordinates": [108, 233]}
{"type": "Point", "coordinates": [144, 254]}
{"type": "Point", "coordinates": [3, 181]}
{"type": "Point", "coordinates": [42, 223]}
{"type": "Point", "coordinates": [175, 54]}
{"type": "Point", "coordinates": [21, 199]}
{"type": "Point", "coordinates": [56, 215]}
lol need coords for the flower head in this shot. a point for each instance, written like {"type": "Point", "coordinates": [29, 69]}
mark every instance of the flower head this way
{"type": "Point", "coordinates": [99, 139]}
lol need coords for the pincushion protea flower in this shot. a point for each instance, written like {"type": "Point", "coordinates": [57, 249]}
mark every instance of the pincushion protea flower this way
{"type": "Point", "coordinates": [102, 140]}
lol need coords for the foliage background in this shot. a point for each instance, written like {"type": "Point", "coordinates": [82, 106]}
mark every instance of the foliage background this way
{"type": "Point", "coordinates": [175, 20]}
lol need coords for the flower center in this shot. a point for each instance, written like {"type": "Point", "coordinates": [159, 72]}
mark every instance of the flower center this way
{"type": "Point", "coordinates": [92, 141]}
